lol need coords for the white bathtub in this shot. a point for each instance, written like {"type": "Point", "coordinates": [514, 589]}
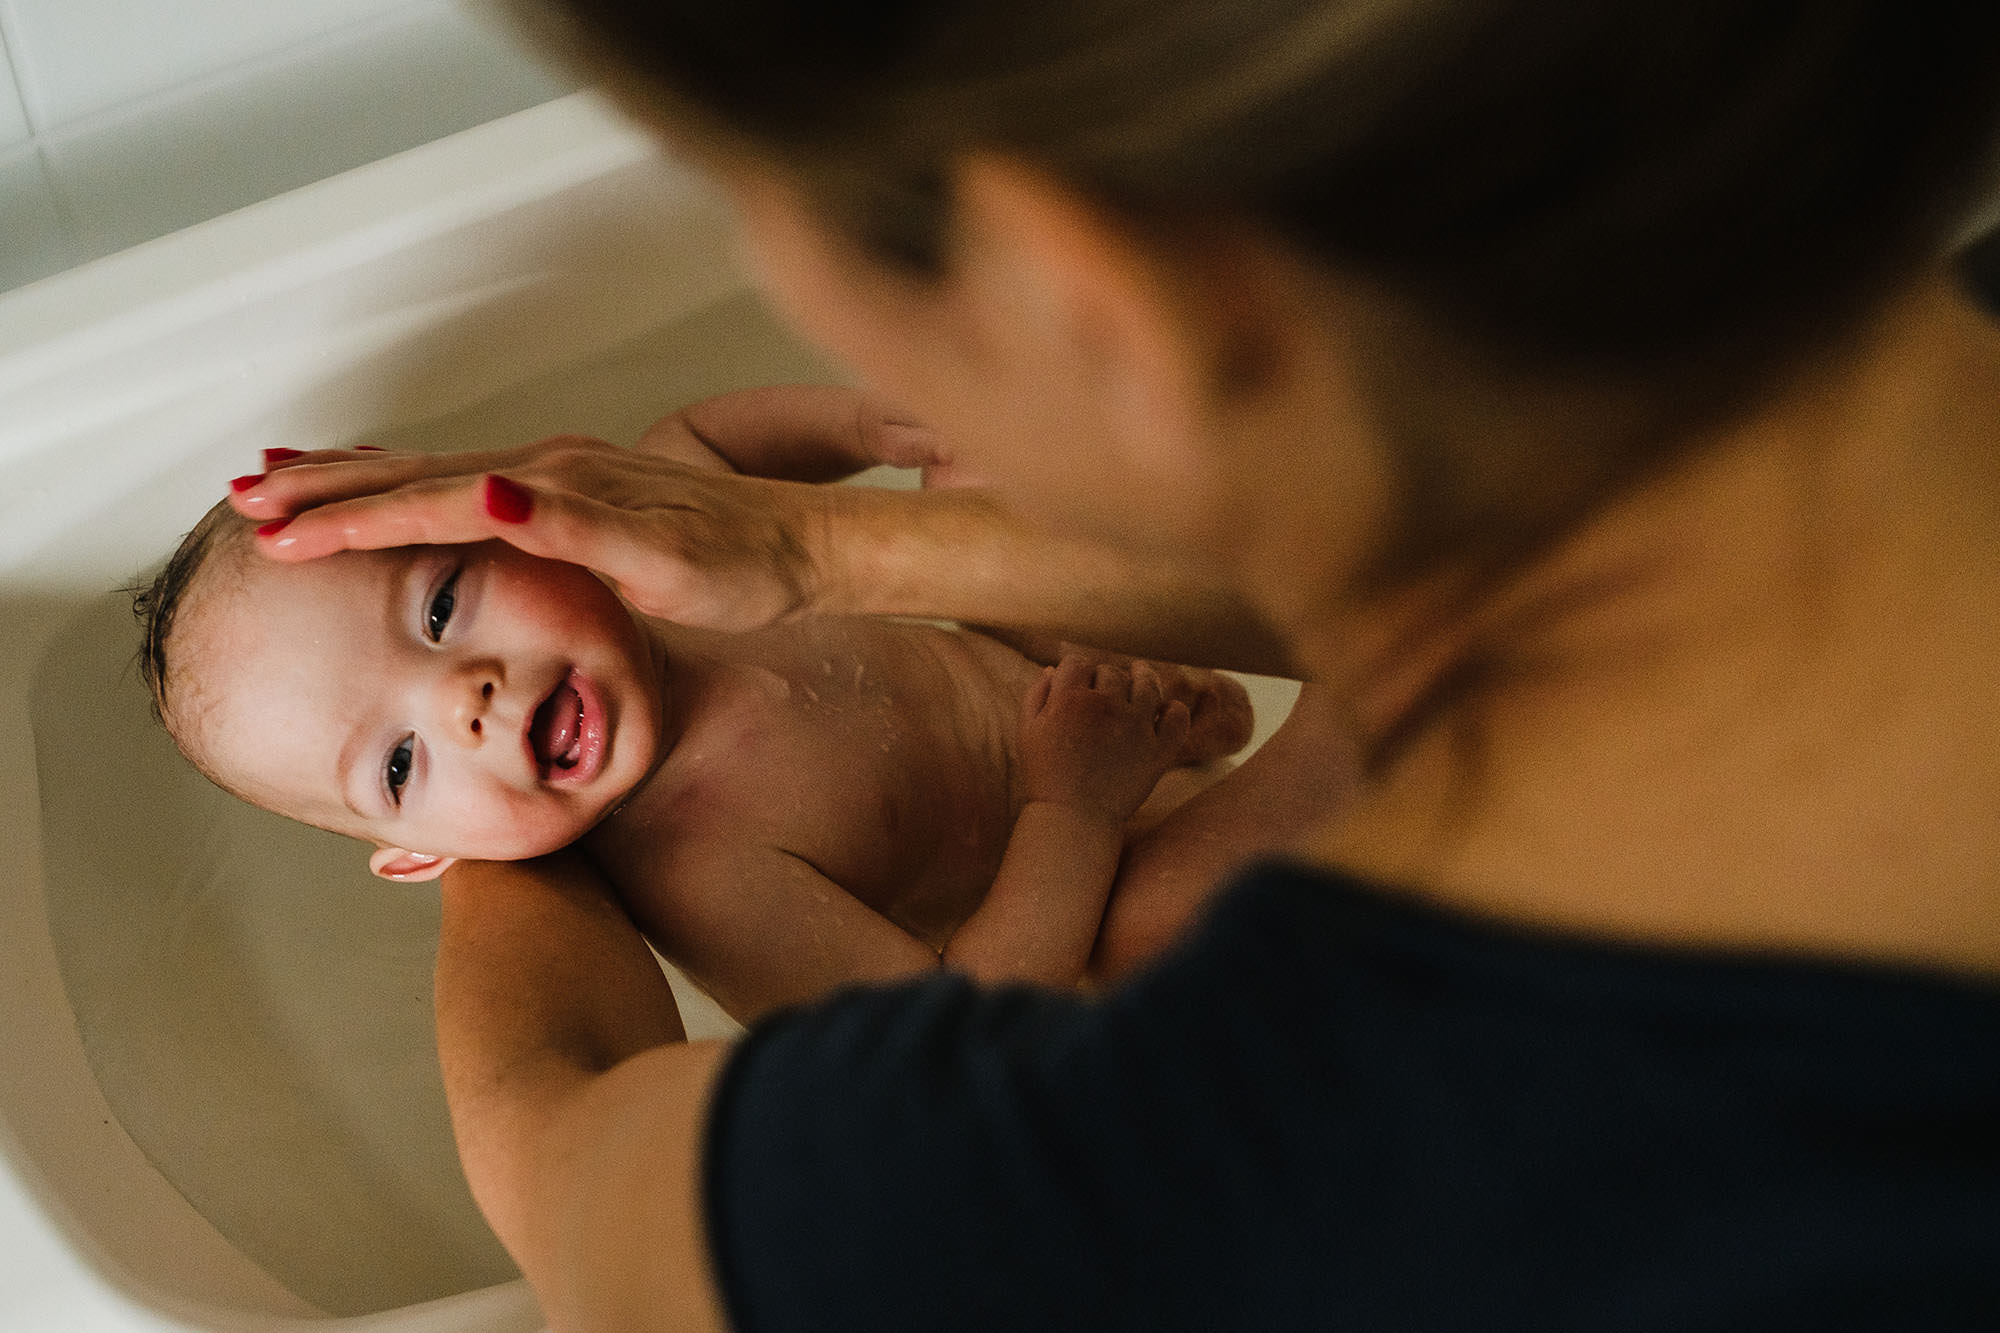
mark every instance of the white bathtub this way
{"type": "Point", "coordinates": [219, 1101]}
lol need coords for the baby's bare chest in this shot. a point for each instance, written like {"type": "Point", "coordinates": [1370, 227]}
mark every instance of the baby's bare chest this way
{"type": "Point", "coordinates": [886, 762]}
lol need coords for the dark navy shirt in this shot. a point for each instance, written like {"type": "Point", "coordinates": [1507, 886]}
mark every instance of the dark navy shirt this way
{"type": "Point", "coordinates": [1334, 1109]}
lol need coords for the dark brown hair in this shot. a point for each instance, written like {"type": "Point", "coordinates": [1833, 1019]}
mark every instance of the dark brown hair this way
{"type": "Point", "coordinates": [157, 603]}
{"type": "Point", "coordinates": [1662, 203]}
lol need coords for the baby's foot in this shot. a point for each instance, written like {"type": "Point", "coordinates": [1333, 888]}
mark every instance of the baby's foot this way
{"type": "Point", "coordinates": [1218, 704]}
{"type": "Point", "coordinates": [1098, 737]}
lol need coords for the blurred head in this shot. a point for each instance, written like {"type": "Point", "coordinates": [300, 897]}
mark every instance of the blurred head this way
{"type": "Point", "coordinates": [1473, 265]}
{"type": "Point", "coordinates": [437, 701]}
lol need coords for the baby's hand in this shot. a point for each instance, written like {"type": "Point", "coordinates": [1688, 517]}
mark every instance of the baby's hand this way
{"type": "Point", "coordinates": [1097, 737]}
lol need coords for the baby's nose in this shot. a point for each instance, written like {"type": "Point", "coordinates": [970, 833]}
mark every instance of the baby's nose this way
{"type": "Point", "coordinates": [468, 703]}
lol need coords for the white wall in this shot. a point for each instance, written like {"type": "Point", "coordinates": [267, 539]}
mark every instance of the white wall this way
{"type": "Point", "coordinates": [122, 120]}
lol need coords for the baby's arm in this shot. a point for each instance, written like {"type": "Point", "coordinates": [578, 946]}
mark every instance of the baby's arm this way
{"type": "Point", "coordinates": [794, 432]}
{"type": "Point", "coordinates": [1095, 738]}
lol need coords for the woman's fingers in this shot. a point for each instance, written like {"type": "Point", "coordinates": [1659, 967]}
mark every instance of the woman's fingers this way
{"type": "Point", "coordinates": [686, 560]}
{"type": "Point", "coordinates": [689, 543]}
{"type": "Point", "coordinates": [280, 457]}
{"type": "Point", "coordinates": [301, 481]}
{"type": "Point", "coordinates": [439, 511]}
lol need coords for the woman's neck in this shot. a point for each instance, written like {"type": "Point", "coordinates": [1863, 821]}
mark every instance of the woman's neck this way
{"type": "Point", "coordinates": [1751, 705]}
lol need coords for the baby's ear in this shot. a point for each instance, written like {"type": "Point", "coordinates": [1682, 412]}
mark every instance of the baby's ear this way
{"type": "Point", "coordinates": [407, 867]}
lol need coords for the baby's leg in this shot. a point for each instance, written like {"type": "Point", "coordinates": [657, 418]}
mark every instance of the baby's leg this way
{"type": "Point", "coordinates": [1300, 778]}
{"type": "Point", "coordinates": [1176, 787]}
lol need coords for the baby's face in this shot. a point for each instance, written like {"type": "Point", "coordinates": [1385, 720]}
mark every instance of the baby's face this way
{"type": "Point", "coordinates": [449, 700]}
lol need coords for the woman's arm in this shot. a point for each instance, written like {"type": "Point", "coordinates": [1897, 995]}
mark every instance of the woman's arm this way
{"type": "Point", "coordinates": [577, 1104]}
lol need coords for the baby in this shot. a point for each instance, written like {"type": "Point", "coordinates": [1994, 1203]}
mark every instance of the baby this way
{"type": "Point", "coordinates": [782, 812]}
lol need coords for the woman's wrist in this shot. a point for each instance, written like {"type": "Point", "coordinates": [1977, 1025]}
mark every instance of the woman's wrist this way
{"type": "Point", "coordinates": [876, 551]}
{"type": "Point", "coordinates": [848, 536]}
{"type": "Point", "coordinates": [961, 554]}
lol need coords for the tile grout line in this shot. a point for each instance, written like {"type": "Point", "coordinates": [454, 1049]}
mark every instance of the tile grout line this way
{"type": "Point", "coordinates": [65, 205]}
{"type": "Point", "coordinates": [90, 236]}
{"type": "Point", "coordinates": [85, 245]}
{"type": "Point", "coordinates": [284, 54]}
{"type": "Point", "coordinates": [58, 190]}
{"type": "Point", "coordinates": [7, 43]}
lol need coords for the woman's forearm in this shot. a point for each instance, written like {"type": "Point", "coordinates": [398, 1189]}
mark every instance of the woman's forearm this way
{"type": "Point", "coordinates": [962, 555]}
{"type": "Point", "coordinates": [702, 546]}
{"type": "Point", "coordinates": [543, 983]}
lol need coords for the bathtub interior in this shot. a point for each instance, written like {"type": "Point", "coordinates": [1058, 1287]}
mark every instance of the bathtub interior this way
{"type": "Point", "coordinates": [224, 1093]}
{"type": "Point", "coordinates": [255, 1005]}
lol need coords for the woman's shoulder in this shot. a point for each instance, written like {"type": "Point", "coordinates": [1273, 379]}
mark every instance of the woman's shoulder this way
{"type": "Point", "coordinates": [1331, 1101]}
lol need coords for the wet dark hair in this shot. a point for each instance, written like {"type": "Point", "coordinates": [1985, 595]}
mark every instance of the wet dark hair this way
{"type": "Point", "coordinates": [157, 603]}
{"type": "Point", "coordinates": [1662, 203]}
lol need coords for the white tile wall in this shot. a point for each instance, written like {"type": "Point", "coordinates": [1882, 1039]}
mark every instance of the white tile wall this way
{"type": "Point", "coordinates": [145, 116]}
{"type": "Point", "coordinates": [269, 126]}
{"type": "Point", "coordinates": [75, 57]}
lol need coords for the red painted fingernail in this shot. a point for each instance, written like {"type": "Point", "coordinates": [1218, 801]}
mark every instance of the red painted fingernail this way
{"type": "Point", "coordinates": [279, 455]}
{"type": "Point", "coordinates": [241, 484]}
{"type": "Point", "coordinates": [370, 449]}
{"type": "Point", "coordinates": [508, 501]}
{"type": "Point", "coordinates": [274, 526]}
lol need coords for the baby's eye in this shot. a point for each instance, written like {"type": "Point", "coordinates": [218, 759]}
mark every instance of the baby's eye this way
{"type": "Point", "coordinates": [439, 613]}
{"type": "Point", "coordinates": [397, 771]}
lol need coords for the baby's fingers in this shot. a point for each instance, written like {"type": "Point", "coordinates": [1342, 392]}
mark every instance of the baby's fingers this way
{"type": "Point", "coordinates": [1037, 697]}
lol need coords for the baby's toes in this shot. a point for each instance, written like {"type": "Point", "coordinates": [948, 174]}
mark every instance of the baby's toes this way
{"type": "Point", "coordinates": [1220, 717]}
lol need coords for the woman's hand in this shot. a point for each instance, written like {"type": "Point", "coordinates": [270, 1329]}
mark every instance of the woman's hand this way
{"type": "Point", "coordinates": [667, 522]}
{"type": "Point", "coordinates": [683, 542]}
{"type": "Point", "coordinates": [685, 538]}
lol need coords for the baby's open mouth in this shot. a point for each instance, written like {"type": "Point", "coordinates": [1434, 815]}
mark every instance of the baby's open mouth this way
{"type": "Point", "coordinates": [557, 731]}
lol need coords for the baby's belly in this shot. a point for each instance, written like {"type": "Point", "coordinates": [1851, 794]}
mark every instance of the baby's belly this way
{"type": "Point", "coordinates": [923, 781]}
